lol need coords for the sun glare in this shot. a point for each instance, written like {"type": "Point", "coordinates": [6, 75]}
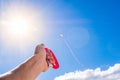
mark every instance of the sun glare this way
{"type": "Point", "coordinates": [19, 24]}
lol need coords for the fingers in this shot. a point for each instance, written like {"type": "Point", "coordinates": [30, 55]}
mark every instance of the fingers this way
{"type": "Point", "coordinates": [49, 59]}
{"type": "Point", "coordinates": [41, 53]}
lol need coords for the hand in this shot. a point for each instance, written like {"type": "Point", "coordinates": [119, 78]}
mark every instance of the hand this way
{"type": "Point", "coordinates": [41, 54]}
{"type": "Point", "coordinates": [30, 69]}
{"type": "Point", "coordinates": [45, 57]}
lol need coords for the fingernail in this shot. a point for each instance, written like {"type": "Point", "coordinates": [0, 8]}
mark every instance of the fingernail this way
{"type": "Point", "coordinates": [42, 44]}
{"type": "Point", "coordinates": [38, 48]}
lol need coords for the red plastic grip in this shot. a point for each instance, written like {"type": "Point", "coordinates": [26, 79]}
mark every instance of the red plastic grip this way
{"type": "Point", "coordinates": [56, 64]}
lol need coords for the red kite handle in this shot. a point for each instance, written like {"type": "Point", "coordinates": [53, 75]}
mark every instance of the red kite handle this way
{"type": "Point", "coordinates": [56, 64]}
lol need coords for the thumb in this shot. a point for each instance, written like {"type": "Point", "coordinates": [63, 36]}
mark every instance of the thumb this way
{"type": "Point", "coordinates": [40, 49]}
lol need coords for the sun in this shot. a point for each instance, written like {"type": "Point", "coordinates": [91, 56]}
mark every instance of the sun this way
{"type": "Point", "coordinates": [19, 24]}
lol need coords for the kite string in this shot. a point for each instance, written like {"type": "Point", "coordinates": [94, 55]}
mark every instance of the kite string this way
{"type": "Point", "coordinates": [71, 51]}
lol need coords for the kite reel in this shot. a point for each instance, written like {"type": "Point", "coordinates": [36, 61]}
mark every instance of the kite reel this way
{"type": "Point", "coordinates": [55, 64]}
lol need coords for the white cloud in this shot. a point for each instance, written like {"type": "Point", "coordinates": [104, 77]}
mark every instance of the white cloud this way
{"type": "Point", "coordinates": [112, 73]}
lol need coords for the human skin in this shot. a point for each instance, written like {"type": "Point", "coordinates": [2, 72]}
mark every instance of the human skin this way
{"type": "Point", "coordinates": [30, 69]}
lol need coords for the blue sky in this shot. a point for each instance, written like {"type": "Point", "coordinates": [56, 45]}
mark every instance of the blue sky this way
{"type": "Point", "coordinates": [90, 27]}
